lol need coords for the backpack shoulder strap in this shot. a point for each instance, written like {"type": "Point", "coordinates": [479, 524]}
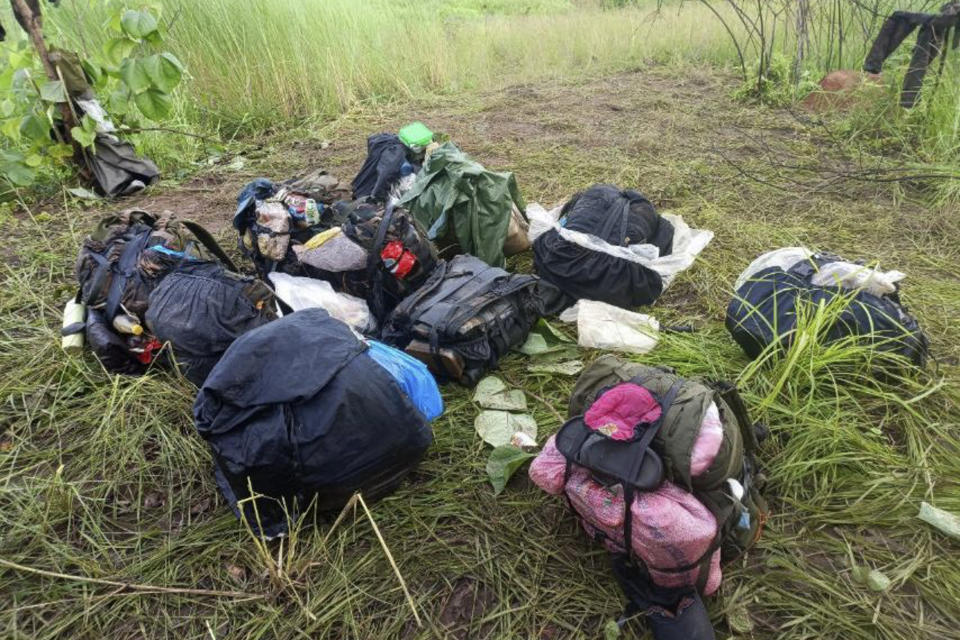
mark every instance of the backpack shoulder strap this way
{"type": "Point", "coordinates": [208, 241]}
{"type": "Point", "coordinates": [374, 273]}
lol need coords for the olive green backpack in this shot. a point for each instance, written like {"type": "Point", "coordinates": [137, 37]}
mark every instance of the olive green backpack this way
{"type": "Point", "coordinates": [740, 521]}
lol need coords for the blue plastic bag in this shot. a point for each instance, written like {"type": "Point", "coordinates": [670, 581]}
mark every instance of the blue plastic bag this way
{"type": "Point", "coordinates": [412, 376]}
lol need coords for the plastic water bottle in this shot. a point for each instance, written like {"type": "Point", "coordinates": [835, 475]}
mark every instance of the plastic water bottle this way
{"type": "Point", "coordinates": [127, 323]}
{"type": "Point", "coordinates": [74, 313]}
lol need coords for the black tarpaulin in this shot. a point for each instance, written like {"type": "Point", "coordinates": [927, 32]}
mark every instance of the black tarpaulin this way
{"type": "Point", "coordinates": [620, 218]}
{"type": "Point", "coordinates": [298, 409]}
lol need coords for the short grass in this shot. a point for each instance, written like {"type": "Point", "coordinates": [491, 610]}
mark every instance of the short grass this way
{"type": "Point", "coordinates": [104, 483]}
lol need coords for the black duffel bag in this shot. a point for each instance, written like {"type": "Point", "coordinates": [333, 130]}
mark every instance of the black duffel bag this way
{"type": "Point", "coordinates": [765, 309]}
{"type": "Point", "coordinates": [300, 414]}
{"type": "Point", "coordinates": [619, 218]}
{"type": "Point", "coordinates": [464, 318]}
{"type": "Point", "coordinates": [201, 308]}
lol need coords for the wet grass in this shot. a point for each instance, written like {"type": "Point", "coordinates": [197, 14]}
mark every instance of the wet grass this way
{"type": "Point", "coordinates": [104, 481]}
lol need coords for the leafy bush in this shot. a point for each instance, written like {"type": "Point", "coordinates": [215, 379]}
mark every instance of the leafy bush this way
{"type": "Point", "coordinates": [774, 83]}
{"type": "Point", "coordinates": [134, 79]}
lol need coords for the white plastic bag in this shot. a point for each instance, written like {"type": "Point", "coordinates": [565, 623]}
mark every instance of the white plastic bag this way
{"type": "Point", "coordinates": [856, 276]}
{"type": "Point", "coordinates": [540, 220]}
{"type": "Point", "coordinates": [604, 326]}
{"type": "Point", "coordinates": [783, 258]}
{"type": "Point", "coordinates": [833, 274]}
{"type": "Point", "coordinates": [303, 293]}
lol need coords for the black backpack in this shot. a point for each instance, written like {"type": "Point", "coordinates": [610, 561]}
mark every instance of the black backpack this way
{"type": "Point", "coordinates": [120, 264]}
{"type": "Point", "coordinates": [464, 318]}
{"type": "Point", "coordinates": [400, 256]}
{"type": "Point", "coordinates": [201, 308]}
{"type": "Point", "coordinates": [764, 311]}
{"type": "Point", "coordinates": [620, 218]}
{"type": "Point", "coordinates": [386, 154]}
{"type": "Point", "coordinates": [297, 413]}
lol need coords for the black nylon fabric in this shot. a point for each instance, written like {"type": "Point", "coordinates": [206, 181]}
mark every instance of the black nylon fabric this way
{"type": "Point", "coordinates": [619, 217]}
{"type": "Point", "coordinates": [932, 41]}
{"type": "Point", "coordinates": [111, 350]}
{"type": "Point", "coordinates": [301, 411]}
{"type": "Point", "coordinates": [469, 310]}
{"type": "Point", "coordinates": [115, 165]}
{"type": "Point", "coordinates": [377, 285]}
{"type": "Point", "coordinates": [764, 311]}
{"type": "Point", "coordinates": [201, 308]}
{"type": "Point", "coordinates": [385, 155]}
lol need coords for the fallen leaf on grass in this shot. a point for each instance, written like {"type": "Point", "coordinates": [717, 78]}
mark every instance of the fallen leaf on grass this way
{"type": "Point", "coordinates": [83, 194]}
{"type": "Point", "coordinates": [568, 368]}
{"type": "Point", "coordinates": [497, 427]}
{"type": "Point", "coordinates": [503, 463]}
{"type": "Point", "coordinates": [549, 330]}
{"type": "Point", "coordinates": [534, 345]}
{"type": "Point", "coordinates": [492, 393]}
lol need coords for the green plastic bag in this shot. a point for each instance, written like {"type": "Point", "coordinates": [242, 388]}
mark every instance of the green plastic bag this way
{"type": "Point", "coordinates": [415, 134]}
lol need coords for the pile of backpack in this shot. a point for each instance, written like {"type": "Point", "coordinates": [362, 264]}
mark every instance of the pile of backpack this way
{"type": "Point", "coordinates": [318, 376]}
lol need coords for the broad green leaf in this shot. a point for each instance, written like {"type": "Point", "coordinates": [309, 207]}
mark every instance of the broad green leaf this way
{"type": "Point", "coordinates": [550, 331]}
{"type": "Point", "coordinates": [492, 393]}
{"type": "Point", "coordinates": [83, 138]}
{"type": "Point", "coordinates": [18, 173]}
{"type": "Point", "coordinates": [33, 160]}
{"type": "Point", "coordinates": [116, 50]}
{"type": "Point", "coordinates": [503, 463]}
{"type": "Point", "coordinates": [134, 74]}
{"type": "Point", "coordinates": [21, 59]}
{"type": "Point", "coordinates": [138, 24]}
{"type": "Point", "coordinates": [155, 39]}
{"type": "Point", "coordinates": [535, 344]}
{"type": "Point", "coordinates": [153, 104]}
{"type": "Point", "coordinates": [6, 108]}
{"type": "Point", "coordinates": [88, 124]}
{"type": "Point", "coordinates": [53, 91]}
{"type": "Point", "coordinates": [6, 78]}
{"type": "Point", "coordinates": [11, 156]}
{"type": "Point", "coordinates": [113, 22]}
{"type": "Point", "coordinates": [33, 127]}
{"type": "Point", "coordinates": [164, 71]}
{"type": "Point", "coordinates": [497, 427]}
{"type": "Point", "coordinates": [118, 102]}
{"type": "Point", "coordinates": [60, 151]}
{"type": "Point", "coordinates": [11, 129]}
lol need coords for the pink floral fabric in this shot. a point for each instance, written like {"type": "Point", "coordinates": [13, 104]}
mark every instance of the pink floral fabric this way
{"type": "Point", "coordinates": [707, 445]}
{"type": "Point", "coordinates": [671, 528]}
{"type": "Point", "coordinates": [617, 412]}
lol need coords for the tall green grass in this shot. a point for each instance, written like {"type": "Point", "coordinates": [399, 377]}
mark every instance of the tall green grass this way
{"type": "Point", "coordinates": [262, 63]}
